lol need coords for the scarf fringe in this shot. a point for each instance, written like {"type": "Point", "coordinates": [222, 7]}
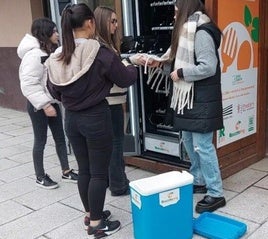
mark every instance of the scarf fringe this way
{"type": "Point", "coordinates": [157, 76]}
{"type": "Point", "coordinates": [183, 95]}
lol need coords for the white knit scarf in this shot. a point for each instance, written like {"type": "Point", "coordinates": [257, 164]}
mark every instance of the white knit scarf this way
{"type": "Point", "coordinates": [183, 92]}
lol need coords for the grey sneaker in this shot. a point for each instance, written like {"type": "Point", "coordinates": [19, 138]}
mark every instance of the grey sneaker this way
{"type": "Point", "coordinates": [46, 182]}
{"type": "Point", "coordinates": [105, 228]}
{"type": "Point", "coordinates": [70, 177]}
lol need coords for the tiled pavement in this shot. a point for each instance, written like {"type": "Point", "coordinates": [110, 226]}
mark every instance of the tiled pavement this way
{"type": "Point", "coordinates": [28, 212]}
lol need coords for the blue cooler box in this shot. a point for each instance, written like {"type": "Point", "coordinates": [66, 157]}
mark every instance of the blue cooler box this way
{"type": "Point", "coordinates": [162, 206]}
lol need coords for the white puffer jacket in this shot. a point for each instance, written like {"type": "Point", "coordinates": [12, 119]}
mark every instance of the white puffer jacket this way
{"type": "Point", "coordinates": [32, 73]}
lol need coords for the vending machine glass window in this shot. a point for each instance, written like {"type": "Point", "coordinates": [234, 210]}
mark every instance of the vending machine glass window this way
{"type": "Point", "coordinates": [151, 27]}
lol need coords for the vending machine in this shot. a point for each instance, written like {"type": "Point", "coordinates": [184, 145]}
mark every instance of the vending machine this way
{"type": "Point", "coordinates": [147, 28]}
{"type": "Point", "coordinates": [150, 134]}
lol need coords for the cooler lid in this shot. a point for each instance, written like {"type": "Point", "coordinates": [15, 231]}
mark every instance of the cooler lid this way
{"type": "Point", "coordinates": [161, 182]}
{"type": "Point", "coordinates": [214, 226]}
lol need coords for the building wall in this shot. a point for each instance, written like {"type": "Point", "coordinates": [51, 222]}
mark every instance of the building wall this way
{"type": "Point", "coordinates": [16, 17]}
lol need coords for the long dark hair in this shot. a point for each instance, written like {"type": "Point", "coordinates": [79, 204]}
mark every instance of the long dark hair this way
{"type": "Point", "coordinates": [103, 17]}
{"type": "Point", "coordinates": [42, 29]}
{"type": "Point", "coordinates": [185, 9]}
{"type": "Point", "coordinates": [73, 16]}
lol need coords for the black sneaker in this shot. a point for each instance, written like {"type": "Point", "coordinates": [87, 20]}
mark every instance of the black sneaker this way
{"type": "Point", "coordinates": [106, 215]}
{"type": "Point", "coordinates": [46, 182]}
{"type": "Point", "coordinates": [105, 228]}
{"type": "Point", "coordinates": [70, 177]}
{"type": "Point", "coordinates": [210, 204]}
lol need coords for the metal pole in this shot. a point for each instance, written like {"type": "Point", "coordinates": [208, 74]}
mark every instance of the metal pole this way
{"type": "Point", "coordinates": [127, 17]}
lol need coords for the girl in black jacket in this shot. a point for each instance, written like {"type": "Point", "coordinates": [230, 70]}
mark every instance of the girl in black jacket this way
{"type": "Point", "coordinates": [81, 75]}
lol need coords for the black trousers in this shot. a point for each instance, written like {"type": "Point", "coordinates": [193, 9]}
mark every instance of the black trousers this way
{"type": "Point", "coordinates": [40, 124]}
{"type": "Point", "coordinates": [118, 182]}
{"type": "Point", "coordinates": [90, 134]}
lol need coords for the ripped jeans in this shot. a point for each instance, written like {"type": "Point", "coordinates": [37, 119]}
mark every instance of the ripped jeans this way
{"type": "Point", "coordinates": [204, 161]}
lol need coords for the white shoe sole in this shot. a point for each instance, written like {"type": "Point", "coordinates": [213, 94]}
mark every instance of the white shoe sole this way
{"type": "Point", "coordinates": [66, 180]}
{"type": "Point", "coordinates": [106, 233]}
{"type": "Point", "coordinates": [112, 232]}
{"type": "Point", "coordinates": [47, 187]}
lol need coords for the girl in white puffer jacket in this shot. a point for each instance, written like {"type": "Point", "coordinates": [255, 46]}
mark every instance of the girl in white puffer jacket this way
{"type": "Point", "coordinates": [43, 110]}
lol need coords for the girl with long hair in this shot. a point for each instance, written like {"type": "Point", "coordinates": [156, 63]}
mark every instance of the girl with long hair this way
{"type": "Point", "coordinates": [43, 110]}
{"type": "Point", "coordinates": [196, 97]}
{"type": "Point", "coordinates": [81, 75]}
{"type": "Point", "coordinates": [107, 34]}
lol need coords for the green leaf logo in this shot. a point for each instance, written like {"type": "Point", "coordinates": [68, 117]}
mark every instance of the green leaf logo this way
{"type": "Point", "coordinates": [255, 30]}
{"type": "Point", "coordinates": [252, 23]}
{"type": "Point", "coordinates": [247, 16]}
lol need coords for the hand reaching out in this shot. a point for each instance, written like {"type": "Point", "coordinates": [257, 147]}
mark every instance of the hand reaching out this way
{"type": "Point", "coordinates": [153, 63]}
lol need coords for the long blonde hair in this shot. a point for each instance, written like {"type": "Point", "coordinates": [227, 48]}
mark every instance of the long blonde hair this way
{"type": "Point", "coordinates": [102, 16]}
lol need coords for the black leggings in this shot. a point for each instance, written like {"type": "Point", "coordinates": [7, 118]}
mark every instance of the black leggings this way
{"type": "Point", "coordinates": [40, 124]}
{"type": "Point", "coordinates": [90, 134]}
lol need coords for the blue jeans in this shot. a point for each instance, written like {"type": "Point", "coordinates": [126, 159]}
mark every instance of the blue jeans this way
{"type": "Point", "coordinates": [90, 134]}
{"type": "Point", "coordinates": [40, 124]}
{"type": "Point", "coordinates": [204, 161]}
{"type": "Point", "coordinates": [118, 182]}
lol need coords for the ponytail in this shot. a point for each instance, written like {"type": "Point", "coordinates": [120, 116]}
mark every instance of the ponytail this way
{"type": "Point", "coordinates": [68, 45]}
{"type": "Point", "coordinates": [73, 16]}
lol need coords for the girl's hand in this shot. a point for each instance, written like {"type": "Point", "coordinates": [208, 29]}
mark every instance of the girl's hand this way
{"type": "Point", "coordinates": [137, 59]}
{"type": "Point", "coordinates": [50, 111]}
{"type": "Point", "coordinates": [174, 75]}
{"type": "Point", "coordinates": [153, 63]}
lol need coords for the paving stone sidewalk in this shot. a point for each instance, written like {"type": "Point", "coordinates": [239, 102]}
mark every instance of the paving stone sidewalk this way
{"type": "Point", "coordinates": [29, 212]}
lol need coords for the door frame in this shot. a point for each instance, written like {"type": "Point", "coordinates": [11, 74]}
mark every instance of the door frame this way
{"type": "Point", "coordinates": [263, 78]}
